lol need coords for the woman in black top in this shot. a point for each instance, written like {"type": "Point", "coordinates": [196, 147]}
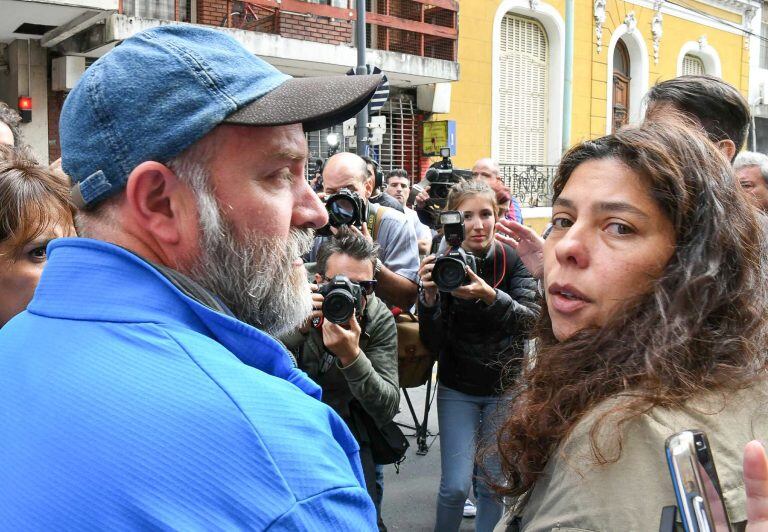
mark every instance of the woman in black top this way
{"type": "Point", "coordinates": [478, 331]}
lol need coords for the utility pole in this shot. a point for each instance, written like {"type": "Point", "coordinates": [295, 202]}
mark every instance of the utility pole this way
{"type": "Point", "coordinates": [568, 92]}
{"type": "Point", "coordinates": [362, 116]}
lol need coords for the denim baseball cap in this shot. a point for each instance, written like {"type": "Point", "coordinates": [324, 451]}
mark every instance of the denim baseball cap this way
{"type": "Point", "coordinates": [163, 89]}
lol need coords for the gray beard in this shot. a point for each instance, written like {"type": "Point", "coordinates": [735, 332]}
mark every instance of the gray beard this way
{"type": "Point", "coordinates": [254, 276]}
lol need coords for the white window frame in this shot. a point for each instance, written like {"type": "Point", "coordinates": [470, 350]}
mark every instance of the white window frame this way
{"type": "Point", "coordinates": [638, 72]}
{"type": "Point", "coordinates": [707, 54]}
{"type": "Point", "coordinates": [541, 149]}
{"type": "Point", "coordinates": [554, 27]}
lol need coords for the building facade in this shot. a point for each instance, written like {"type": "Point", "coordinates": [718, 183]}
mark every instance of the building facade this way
{"type": "Point", "coordinates": [47, 45]}
{"type": "Point", "coordinates": [509, 100]}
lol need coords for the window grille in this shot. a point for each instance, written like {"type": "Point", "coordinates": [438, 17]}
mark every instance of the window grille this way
{"type": "Point", "coordinates": [692, 66]}
{"type": "Point", "coordinates": [764, 41]}
{"type": "Point", "coordinates": [400, 146]}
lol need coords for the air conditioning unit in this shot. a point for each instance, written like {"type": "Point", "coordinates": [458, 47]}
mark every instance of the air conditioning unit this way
{"type": "Point", "coordinates": [66, 72]}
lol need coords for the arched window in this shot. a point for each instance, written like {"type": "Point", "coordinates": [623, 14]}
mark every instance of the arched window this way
{"type": "Point", "coordinates": [693, 65]}
{"type": "Point", "coordinates": [621, 80]}
{"type": "Point", "coordinates": [523, 91]}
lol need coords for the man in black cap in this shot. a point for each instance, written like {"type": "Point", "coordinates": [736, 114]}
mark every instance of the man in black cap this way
{"type": "Point", "coordinates": [142, 388]}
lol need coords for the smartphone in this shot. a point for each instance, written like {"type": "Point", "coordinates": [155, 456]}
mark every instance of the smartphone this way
{"type": "Point", "coordinates": [697, 488]}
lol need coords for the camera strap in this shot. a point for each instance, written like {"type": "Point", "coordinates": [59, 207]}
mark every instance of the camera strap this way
{"type": "Point", "coordinates": [374, 219]}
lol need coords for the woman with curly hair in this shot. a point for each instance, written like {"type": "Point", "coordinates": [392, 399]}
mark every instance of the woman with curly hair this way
{"type": "Point", "coordinates": [478, 331]}
{"type": "Point", "coordinates": [34, 209]}
{"type": "Point", "coordinates": [655, 322]}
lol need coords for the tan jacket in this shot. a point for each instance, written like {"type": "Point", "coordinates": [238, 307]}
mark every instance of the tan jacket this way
{"type": "Point", "coordinates": [576, 494]}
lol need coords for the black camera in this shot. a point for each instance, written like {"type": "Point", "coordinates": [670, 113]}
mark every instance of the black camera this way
{"type": "Point", "coordinates": [442, 177]}
{"type": "Point", "coordinates": [449, 272]}
{"type": "Point", "coordinates": [341, 299]}
{"type": "Point", "coordinates": [345, 208]}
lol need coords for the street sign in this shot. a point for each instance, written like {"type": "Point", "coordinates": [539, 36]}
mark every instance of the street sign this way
{"type": "Point", "coordinates": [436, 135]}
{"type": "Point", "coordinates": [376, 129]}
{"type": "Point", "coordinates": [382, 93]}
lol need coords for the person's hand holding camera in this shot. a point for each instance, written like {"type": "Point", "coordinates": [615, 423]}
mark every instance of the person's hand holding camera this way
{"type": "Point", "coordinates": [421, 199]}
{"type": "Point", "coordinates": [317, 309]}
{"type": "Point", "coordinates": [362, 232]}
{"type": "Point", "coordinates": [342, 340]}
{"type": "Point", "coordinates": [427, 284]}
{"type": "Point", "coordinates": [476, 289]}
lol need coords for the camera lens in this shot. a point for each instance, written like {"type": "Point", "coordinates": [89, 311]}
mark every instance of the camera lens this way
{"type": "Point", "coordinates": [338, 306]}
{"type": "Point", "coordinates": [448, 274]}
{"type": "Point", "coordinates": [342, 211]}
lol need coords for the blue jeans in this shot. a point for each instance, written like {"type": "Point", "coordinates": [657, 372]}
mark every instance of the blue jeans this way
{"type": "Point", "coordinates": [462, 418]}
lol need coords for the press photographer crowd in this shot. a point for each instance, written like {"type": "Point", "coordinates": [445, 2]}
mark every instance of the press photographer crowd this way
{"type": "Point", "coordinates": [195, 334]}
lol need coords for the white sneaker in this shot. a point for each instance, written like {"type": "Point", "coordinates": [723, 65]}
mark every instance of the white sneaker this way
{"type": "Point", "coordinates": [470, 510]}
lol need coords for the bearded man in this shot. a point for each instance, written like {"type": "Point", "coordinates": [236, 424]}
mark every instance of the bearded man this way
{"type": "Point", "coordinates": [142, 388]}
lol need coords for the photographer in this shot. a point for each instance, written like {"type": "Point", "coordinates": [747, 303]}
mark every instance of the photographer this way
{"type": "Point", "coordinates": [397, 268]}
{"type": "Point", "coordinates": [356, 361]}
{"type": "Point", "coordinates": [478, 330]}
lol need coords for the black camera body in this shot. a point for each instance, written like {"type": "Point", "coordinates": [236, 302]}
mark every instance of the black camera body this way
{"type": "Point", "coordinates": [341, 299]}
{"type": "Point", "coordinates": [345, 207]}
{"type": "Point", "coordinates": [449, 272]}
{"type": "Point", "coordinates": [442, 177]}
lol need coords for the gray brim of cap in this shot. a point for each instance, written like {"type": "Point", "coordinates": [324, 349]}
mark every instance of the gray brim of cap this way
{"type": "Point", "coordinates": [316, 103]}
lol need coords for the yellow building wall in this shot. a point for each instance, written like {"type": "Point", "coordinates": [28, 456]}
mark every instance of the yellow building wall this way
{"type": "Point", "coordinates": [471, 95]}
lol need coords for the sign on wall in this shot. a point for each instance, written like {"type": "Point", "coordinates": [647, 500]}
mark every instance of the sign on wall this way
{"type": "Point", "coordinates": [436, 135]}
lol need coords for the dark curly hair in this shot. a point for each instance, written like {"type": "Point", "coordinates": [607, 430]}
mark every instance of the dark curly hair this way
{"type": "Point", "coordinates": [701, 328]}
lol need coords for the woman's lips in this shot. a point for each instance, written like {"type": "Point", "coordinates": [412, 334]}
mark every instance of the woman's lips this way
{"type": "Point", "coordinates": [566, 299]}
{"type": "Point", "coordinates": [478, 238]}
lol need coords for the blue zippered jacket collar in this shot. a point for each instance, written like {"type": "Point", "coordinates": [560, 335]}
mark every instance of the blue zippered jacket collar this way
{"type": "Point", "coordinates": [91, 280]}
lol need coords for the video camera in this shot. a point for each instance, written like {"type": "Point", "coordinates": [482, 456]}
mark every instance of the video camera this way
{"type": "Point", "coordinates": [449, 271]}
{"type": "Point", "coordinates": [341, 299]}
{"type": "Point", "coordinates": [441, 177]}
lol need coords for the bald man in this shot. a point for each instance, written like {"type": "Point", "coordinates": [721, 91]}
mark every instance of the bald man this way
{"type": "Point", "coordinates": [485, 169]}
{"type": "Point", "coordinates": [398, 264]}
{"type": "Point", "coordinates": [488, 170]}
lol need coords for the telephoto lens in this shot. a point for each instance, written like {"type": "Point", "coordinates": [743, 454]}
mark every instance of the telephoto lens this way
{"type": "Point", "coordinates": [449, 272]}
{"type": "Point", "coordinates": [344, 208]}
{"type": "Point", "coordinates": [341, 299]}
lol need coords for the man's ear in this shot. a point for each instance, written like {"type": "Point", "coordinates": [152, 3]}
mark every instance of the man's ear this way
{"type": "Point", "coordinates": [318, 279]}
{"type": "Point", "coordinates": [728, 148]}
{"type": "Point", "coordinates": [159, 202]}
{"type": "Point", "coordinates": [369, 185]}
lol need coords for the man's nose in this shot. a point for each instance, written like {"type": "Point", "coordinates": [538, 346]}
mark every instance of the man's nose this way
{"type": "Point", "coordinates": [308, 210]}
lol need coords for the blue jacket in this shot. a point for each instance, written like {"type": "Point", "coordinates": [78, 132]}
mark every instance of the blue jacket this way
{"type": "Point", "coordinates": [126, 404]}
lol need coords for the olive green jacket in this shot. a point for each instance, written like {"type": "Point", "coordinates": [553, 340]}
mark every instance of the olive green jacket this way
{"type": "Point", "coordinates": [371, 378]}
{"type": "Point", "coordinates": [576, 494]}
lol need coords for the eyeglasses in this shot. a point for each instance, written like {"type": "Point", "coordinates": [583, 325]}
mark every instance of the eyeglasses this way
{"type": "Point", "coordinates": [368, 287]}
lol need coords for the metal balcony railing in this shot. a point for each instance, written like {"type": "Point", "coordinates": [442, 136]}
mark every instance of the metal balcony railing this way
{"type": "Point", "coordinates": [426, 28]}
{"type": "Point", "coordinates": [530, 183]}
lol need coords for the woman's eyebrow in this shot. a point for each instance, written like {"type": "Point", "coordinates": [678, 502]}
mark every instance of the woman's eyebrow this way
{"type": "Point", "coordinates": [620, 206]}
{"type": "Point", "coordinates": [605, 206]}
